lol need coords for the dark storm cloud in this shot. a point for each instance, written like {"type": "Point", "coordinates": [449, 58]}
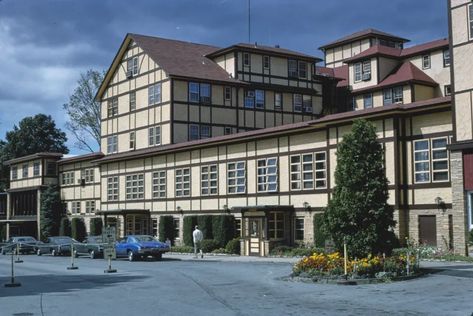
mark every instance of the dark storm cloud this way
{"type": "Point", "coordinates": [46, 44]}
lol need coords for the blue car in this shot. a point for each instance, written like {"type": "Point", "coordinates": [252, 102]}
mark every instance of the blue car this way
{"type": "Point", "coordinates": [136, 247]}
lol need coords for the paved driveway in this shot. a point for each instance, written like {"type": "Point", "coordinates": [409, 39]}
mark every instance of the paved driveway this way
{"type": "Point", "coordinates": [179, 285]}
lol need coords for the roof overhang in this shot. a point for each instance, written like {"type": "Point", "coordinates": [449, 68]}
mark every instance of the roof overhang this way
{"type": "Point", "coordinates": [33, 157]}
{"type": "Point", "coordinates": [123, 212]}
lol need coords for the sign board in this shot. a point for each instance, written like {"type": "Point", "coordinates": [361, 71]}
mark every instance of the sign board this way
{"type": "Point", "coordinates": [109, 252]}
{"type": "Point", "coordinates": [109, 239]}
{"type": "Point", "coordinates": [329, 246]}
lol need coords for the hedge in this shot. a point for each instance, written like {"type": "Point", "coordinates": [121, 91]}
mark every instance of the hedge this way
{"type": "Point", "coordinates": [166, 228]}
{"type": "Point", "coordinates": [78, 231]}
{"type": "Point", "coordinates": [223, 227]}
{"type": "Point", "coordinates": [319, 234]}
{"type": "Point", "coordinates": [233, 246]}
{"type": "Point", "coordinates": [188, 228]}
{"type": "Point", "coordinates": [205, 225]}
{"type": "Point", "coordinates": [65, 227]}
{"type": "Point", "coordinates": [96, 226]}
{"type": "Point", "coordinates": [209, 245]}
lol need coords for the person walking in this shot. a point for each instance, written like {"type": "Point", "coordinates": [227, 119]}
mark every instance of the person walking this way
{"type": "Point", "coordinates": [197, 236]}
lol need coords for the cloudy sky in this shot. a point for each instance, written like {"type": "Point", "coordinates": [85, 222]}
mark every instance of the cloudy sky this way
{"type": "Point", "coordinates": [46, 44]}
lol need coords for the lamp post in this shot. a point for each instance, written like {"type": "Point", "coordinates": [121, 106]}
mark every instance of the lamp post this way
{"type": "Point", "coordinates": [440, 203]}
{"type": "Point", "coordinates": [226, 209]}
{"type": "Point", "coordinates": [179, 209]}
{"type": "Point", "coordinates": [307, 207]}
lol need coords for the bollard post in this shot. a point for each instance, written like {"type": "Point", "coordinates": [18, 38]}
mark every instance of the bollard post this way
{"type": "Point", "coordinates": [345, 254]}
{"type": "Point", "coordinates": [18, 260]}
{"type": "Point", "coordinates": [110, 270]}
{"type": "Point", "coordinates": [12, 280]}
{"type": "Point", "coordinates": [72, 267]}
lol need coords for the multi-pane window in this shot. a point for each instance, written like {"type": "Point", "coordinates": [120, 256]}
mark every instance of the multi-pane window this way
{"type": "Point", "coordinates": [132, 140]}
{"type": "Point", "coordinates": [250, 99]}
{"type": "Point", "coordinates": [292, 68]}
{"type": "Point", "coordinates": [259, 99]}
{"type": "Point", "coordinates": [357, 72]}
{"type": "Point", "coordinates": [366, 70]}
{"type": "Point", "coordinates": [159, 184]}
{"type": "Point", "coordinates": [446, 58]}
{"type": "Point", "coordinates": [205, 93]}
{"type": "Point", "coordinates": [320, 170]}
{"type": "Point", "coordinates": [154, 136]}
{"type": "Point", "coordinates": [112, 188]}
{"type": "Point", "coordinates": [362, 71]}
{"type": "Point", "coordinates": [24, 171]}
{"type": "Point", "coordinates": [14, 173]}
{"type": "Point", "coordinates": [277, 101]}
{"type": "Point", "coordinates": [112, 144]}
{"type": "Point", "coordinates": [268, 175]}
{"type": "Point", "coordinates": [227, 130]}
{"type": "Point", "coordinates": [276, 225]}
{"type": "Point", "coordinates": [132, 101]}
{"type": "Point", "coordinates": [228, 93]}
{"type": "Point", "coordinates": [431, 160]}
{"type": "Point", "coordinates": [299, 228]}
{"type": "Point", "coordinates": [238, 227]}
{"type": "Point", "coordinates": [307, 103]}
{"type": "Point", "coordinates": [183, 182]}
{"type": "Point", "coordinates": [135, 187]}
{"type": "Point", "coordinates": [199, 92]}
{"type": "Point", "coordinates": [266, 62]}
{"type": "Point", "coordinates": [112, 107]}
{"type": "Point", "coordinates": [68, 178]}
{"type": "Point", "coordinates": [89, 207]}
{"type": "Point", "coordinates": [302, 69]}
{"type": "Point", "coordinates": [176, 223]}
{"type": "Point", "coordinates": [447, 90]}
{"type": "Point", "coordinates": [426, 62]}
{"type": "Point", "coordinates": [393, 95]}
{"type": "Point", "coordinates": [194, 92]}
{"type": "Point", "coordinates": [297, 101]}
{"type": "Point", "coordinates": [308, 170]}
{"type": "Point", "coordinates": [154, 94]}
{"type": "Point", "coordinates": [88, 175]}
{"type": "Point", "coordinates": [194, 131]}
{"type": "Point", "coordinates": [132, 66]}
{"type": "Point", "coordinates": [75, 207]}
{"type": "Point", "coordinates": [236, 177]}
{"type": "Point", "coordinates": [36, 167]}
{"type": "Point", "coordinates": [205, 131]}
{"type": "Point", "coordinates": [208, 180]}
{"type": "Point", "coordinates": [50, 168]}
{"type": "Point", "coordinates": [368, 100]}
{"type": "Point", "coordinates": [154, 223]}
{"type": "Point", "coordinates": [246, 59]}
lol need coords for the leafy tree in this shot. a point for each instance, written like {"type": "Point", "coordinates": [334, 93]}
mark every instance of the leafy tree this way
{"type": "Point", "coordinates": [358, 210]}
{"type": "Point", "coordinates": [65, 227]}
{"type": "Point", "coordinates": [78, 230]}
{"type": "Point", "coordinates": [84, 112]}
{"type": "Point", "coordinates": [320, 235]}
{"type": "Point", "coordinates": [51, 211]}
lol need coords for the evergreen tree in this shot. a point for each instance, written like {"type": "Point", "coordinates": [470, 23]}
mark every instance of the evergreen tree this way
{"type": "Point", "coordinates": [65, 227]}
{"type": "Point", "coordinates": [52, 211]}
{"type": "Point", "coordinates": [358, 210]}
{"type": "Point", "coordinates": [78, 230]}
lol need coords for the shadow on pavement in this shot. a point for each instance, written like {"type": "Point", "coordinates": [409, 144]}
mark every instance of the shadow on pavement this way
{"type": "Point", "coordinates": [455, 271]}
{"type": "Point", "coordinates": [51, 283]}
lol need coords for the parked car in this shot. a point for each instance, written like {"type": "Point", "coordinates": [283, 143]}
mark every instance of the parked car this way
{"type": "Point", "coordinates": [56, 246]}
{"type": "Point", "coordinates": [26, 244]}
{"type": "Point", "coordinates": [91, 246]}
{"type": "Point", "coordinates": [135, 247]}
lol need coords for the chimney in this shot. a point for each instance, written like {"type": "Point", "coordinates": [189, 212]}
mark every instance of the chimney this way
{"type": "Point", "coordinates": [277, 45]}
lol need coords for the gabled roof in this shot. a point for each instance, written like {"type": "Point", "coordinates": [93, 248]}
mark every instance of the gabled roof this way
{"type": "Point", "coordinates": [405, 73]}
{"type": "Point", "coordinates": [338, 73]}
{"type": "Point", "coordinates": [426, 47]}
{"type": "Point", "coordinates": [277, 51]}
{"type": "Point", "coordinates": [367, 33]}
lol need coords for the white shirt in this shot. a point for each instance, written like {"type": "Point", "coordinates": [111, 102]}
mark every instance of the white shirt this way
{"type": "Point", "coordinates": [197, 235]}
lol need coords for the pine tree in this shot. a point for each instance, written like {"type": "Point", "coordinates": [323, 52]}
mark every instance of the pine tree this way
{"type": "Point", "coordinates": [52, 211]}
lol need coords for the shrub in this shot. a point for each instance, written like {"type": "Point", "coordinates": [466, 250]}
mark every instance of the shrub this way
{"type": "Point", "coordinates": [182, 249]}
{"type": "Point", "coordinates": [233, 246]}
{"type": "Point", "coordinates": [287, 251]}
{"type": "Point", "coordinates": [471, 236]}
{"type": "Point", "coordinates": [78, 231]}
{"type": "Point", "coordinates": [96, 226]}
{"type": "Point", "coordinates": [205, 225]}
{"type": "Point", "coordinates": [166, 228]}
{"type": "Point", "coordinates": [209, 245]}
{"type": "Point", "coordinates": [188, 228]}
{"type": "Point", "coordinates": [65, 227]}
{"type": "Point", "coordinates": [319, 233]}
{"type": "Point", "coordinates": [219, 250]}
{"type": "Point", "coordinates": [223, 227]}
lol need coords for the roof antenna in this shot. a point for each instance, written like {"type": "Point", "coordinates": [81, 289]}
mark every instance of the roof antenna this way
{"type": "Point", "coordinates": [249, 22]}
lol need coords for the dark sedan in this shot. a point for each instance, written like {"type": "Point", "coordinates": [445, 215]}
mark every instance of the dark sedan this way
{"type": "Point", "coordinates": [57, 246]}
{"type": "Point", "coordinates": [92, 246]}
{"type": "Point", "coordinates": [25, 244]}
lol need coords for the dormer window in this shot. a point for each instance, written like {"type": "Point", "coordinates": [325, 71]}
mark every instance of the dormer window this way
{"type": "Point", "coordinates": [426, 62]}
{"type": "Point", "coordinates": [362, 71]}
{"type": "Point", "coordinates": [446, 58]}
{"type": "Point", "coordinates": [132, 67]}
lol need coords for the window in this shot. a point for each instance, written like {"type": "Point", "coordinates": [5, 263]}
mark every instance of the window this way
{"type": "Point", "coordinates": [357, 72]}
{"type": "Point", "coordinates": [259, 99]}
{"type": "Point", "coordinates": [194, 132]}
{"type": "Point", "coordinates": [238, 227]}
{"type": "Point", "coordinates": [194, 92]}
{"type": "Point", "coordinates": [398, 95]}
{"type": "Point", "coordinates": [366, 70]}
{"type": "Point", "coordinates": [132, 140]}
{"type": "Point", "coordinates": [426, 62]}
{"type": "Point", "coordinates": [159, 184]}
{"type": "Point", "coordinates": [299, 228]}
{"type": "Point", "coordinates": [470, 19]}
{"type": "Point", "coordinates": [50, 168]}
{"type": "Point", "coordinates": [236, 177]}
{"type": "Point", "coordinates": [208, 180]}
{"type": "Point", "coordinates": [447, 90]}
{"type": "Point", "coordinates": [306, 168]}
{"type": "Point", "coordinates": [134, 185]}
{"type": "Point", "coordinates": [387, 96]}
{"type": "Point", "coordinates": [89, 207]}
{"type": "Point", "coordinates": [446, 58]}
{"type": "Point", "coordinates": [246, 59]}
{"type": "Point", "coordinates": [75, 209]}
{"type": "Point", "coordinates": [368, 101]}
{"type": "Point", "coordinates": [266, 62]}
{"type": "Point", "coordinates": [228, 93]}
{"type": "Point", "coordinates": [112, 144]}
{"type": "Point", "coordinates": [227, 130]}
{"type": "Point", "coordinates": [276, 225]}
{"type": "Point", "coordinates": [205, 93]}
{"type": "Point", "coordinates": [14, 173]}
{"type": "Point", "coordinates": [250, 99]}
{"type": "Point", "coordinates": [36, 169]}
{"type": "Point", "coordinates": [421, 161]}
{"type": "Point", "coordinates": [431, 160]}
{"type": "Point", "coordinates": [362, 71]}
{"type": "Point", "coordinates": [132, 66]}
{"type": "Point", "coordinates": [268, 175]}
{"type": "Point", "coordinates": [297, 101]}
{"type": "Point", "coordinates": [112, 188]}
{"type": "Point", "coordinates": [183, 182]}
{"type": "Point", "coordinates": [393, 95]}
{"type": "Point", "coordinates": [205, 131]}
{"type": "Point", "coordinates": [132, 101]}
{"type": "Point", "coordinates": [320, 170]}
{"type": "Point", "coordinates": [307, 103]}
{"type": "Point", "coordinates": [176, 223]}
{"type": "Point", "coordinates": [154, 94]}
{"type": "Point", "coordinates": [292, 68]}
{"type": "Point", "coordinates": [88, 175]}
{"type": "Point", "coordinates": [154, 136]}
{"type": "Point", "coordinates": [154, 222]}
{"type": "Point", "coordinates": [25, 171]}
{"type": "Point", "coordinates": [278, 101]}
{"type": "Point", "coordinates": [112, 107]}
{"type": "Point", "coordinates": [68, 178]}
{"type": "Point", "coordinates": [302, 69]}
{"type": "Point", "coordinates": [439, 159]}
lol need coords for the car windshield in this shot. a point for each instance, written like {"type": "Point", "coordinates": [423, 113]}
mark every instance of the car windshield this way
{"type": "Point", "coordinates": [144, 238]}
{"type": "Point", "coordinates": [95, 239]}
{"type": "Point", "coordinates": [27, 239]}
{"type": "Point", "coordinates": [63, 240]}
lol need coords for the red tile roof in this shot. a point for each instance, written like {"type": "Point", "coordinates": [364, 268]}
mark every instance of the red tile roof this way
{"type": "Point", "coordinates": [422, 48]}
{"type": "Point", "coordinates": [406, 73]}
{"type": "Point", "coordinates": [367, 33]}
{"type": "Point", "coordinates": [340, 73]}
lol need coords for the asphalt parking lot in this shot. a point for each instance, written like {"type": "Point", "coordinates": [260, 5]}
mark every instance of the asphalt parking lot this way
{"type": "Point", "coordinates": [180, 285]}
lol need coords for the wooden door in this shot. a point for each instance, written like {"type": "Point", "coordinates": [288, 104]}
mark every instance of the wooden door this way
{"type": "Point", "coordinates": [428, 230]}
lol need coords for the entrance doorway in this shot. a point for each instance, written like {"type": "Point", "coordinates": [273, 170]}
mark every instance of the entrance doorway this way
{"type": "Point", "coordinates": [137, 225]}
{"type": "Point", "coordinates": [255, 228]}
{"type": "Point", "coordinates": [428, 230]}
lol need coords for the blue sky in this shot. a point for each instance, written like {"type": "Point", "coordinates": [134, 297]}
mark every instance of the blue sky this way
{"type": "Point", "coordinates": [46, 44]}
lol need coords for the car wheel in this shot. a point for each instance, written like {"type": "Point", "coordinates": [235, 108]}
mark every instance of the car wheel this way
{"type": "Point", "coordinates": [92, 254]}
{"type": "Point", "coordinates": [158, 256]}
{"type": "Point", "coordinates": [53, 252]}
{"type": "Point", "coordinates": [131, 256]}
{"type": "Point", "coordinates": [38, 252]}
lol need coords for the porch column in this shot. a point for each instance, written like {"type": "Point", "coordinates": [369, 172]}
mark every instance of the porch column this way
{"type": "Point", "coordinates": [7, 232]}
{"type": "Point", "coordinates": [38, 213]}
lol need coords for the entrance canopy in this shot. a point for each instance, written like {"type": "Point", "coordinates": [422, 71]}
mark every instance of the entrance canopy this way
{"type": "Point", "coordinates": [262, 209]}
{"type": "Point", "coordinates": [123, 212]}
